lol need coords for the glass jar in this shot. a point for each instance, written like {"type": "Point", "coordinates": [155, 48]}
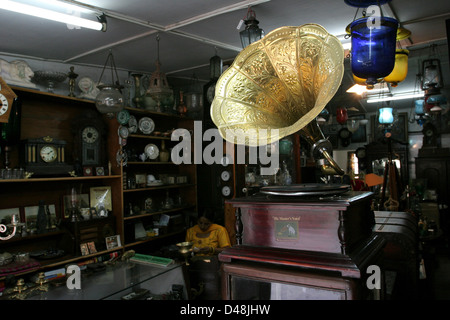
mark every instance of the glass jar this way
{"type": "Point", "coordinates": [109, 100]}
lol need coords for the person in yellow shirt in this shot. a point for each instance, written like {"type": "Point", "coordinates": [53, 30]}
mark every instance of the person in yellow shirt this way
{"type": "Point", "coordinates": [207, 237]}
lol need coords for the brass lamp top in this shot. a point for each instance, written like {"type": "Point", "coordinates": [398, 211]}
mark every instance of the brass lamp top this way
{"type": "Point", "coordinates": [281, 82]}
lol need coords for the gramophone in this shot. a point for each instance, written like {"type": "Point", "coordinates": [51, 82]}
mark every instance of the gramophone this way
{"type": "Point", "coordinates": [277, 86]}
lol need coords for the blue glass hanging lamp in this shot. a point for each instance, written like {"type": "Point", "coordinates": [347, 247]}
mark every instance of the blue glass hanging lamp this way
{"type": "Point", "coordinates": [373, 43]}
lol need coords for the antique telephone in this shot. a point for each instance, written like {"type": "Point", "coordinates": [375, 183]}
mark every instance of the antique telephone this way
{"type": "Point", "coordinates": [277, 86]}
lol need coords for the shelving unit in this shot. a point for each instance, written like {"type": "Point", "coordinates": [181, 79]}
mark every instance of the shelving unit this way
{"type": "Point", "coordinates": [144, 204]}
{"type": "Point", "coordinates": [48, 114]}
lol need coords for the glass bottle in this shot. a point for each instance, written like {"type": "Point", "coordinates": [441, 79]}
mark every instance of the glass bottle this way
{"type": "Point", "coordinates": [164, 154]}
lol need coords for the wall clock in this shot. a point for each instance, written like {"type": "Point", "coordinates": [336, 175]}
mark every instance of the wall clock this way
{"type": "Point", "coordinates": [7, 97]}
{"type": "Point", "coordinates": [45, 156]}
{"type": "Point", "coordinates": [89, 131]}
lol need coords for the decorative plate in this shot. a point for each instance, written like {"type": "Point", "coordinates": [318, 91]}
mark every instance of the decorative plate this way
{"type": "Point", "coordinates": [132, 124]}
{"type": "Point", "coordinates": [123, 116]}
{"type": "Point", "coordinates": [121, 158]}
{"type": "Point", "coordinates": [146, 125]}
{"type": "Point", "coordinates": [123, 132]}
{"type": "Point", "coordinates": [151, 151]}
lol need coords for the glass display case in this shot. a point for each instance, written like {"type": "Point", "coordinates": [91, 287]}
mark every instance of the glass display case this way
{"type": "Point", "coordinates": [119, 281]}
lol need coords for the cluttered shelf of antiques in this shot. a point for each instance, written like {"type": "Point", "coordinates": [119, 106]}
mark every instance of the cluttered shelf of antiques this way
{"type": "Point", "coordinates": [74, 232]}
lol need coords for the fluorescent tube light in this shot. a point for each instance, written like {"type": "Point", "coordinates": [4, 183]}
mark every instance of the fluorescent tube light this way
{"type": "Point", "coordinates": [51, 15]}
{"type": "Point", "coordinates": [396, 97]}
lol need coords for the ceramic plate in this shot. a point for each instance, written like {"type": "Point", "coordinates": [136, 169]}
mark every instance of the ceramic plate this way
{"type": "Point", "coordinates": [123, 116]}
{"type": "Point", "coordinates": [123, 132]}
{"type": "Point", "coordinates": [151, 151]}
{"type": "Point", "coordinates": [132, 124]}
{"type": "Point", "coordinates": [146, 125]}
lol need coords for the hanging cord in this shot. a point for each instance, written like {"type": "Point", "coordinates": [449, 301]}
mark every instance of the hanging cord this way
{"type": "Point", "coordinates": [113, 70]}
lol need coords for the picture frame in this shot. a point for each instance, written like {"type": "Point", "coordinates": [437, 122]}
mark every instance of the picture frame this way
{"type": "Point", "coordinates": [91, 247]}
{"type": "Point", "coordinates": [6, 215]}
{"type": "Point", "coordinates": [100, 197]}
{"type": "Point", "coordinates": [31, 213]}
{"type": "Point", "coordinates": [113, 242]}
{"type": "Point", "coordinates": [84, 249]}
{"type": "Point", "coordinates": [399, 130]}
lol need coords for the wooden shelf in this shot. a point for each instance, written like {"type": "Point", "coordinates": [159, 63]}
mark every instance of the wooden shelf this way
{"type": "Point", "coordinates": [148, 239]}
{"type": "Point", "coordinates": [166, 186]}
{"type": "Point", "coordinates": [138, 216]}
{"type": "Point", "coordinates": [74, 179]}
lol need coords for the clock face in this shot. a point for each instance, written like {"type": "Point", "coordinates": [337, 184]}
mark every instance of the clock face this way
{"type": "Point", "coordinates": [226, 191]}
{"type": "Point", "coordinates": [48, 153]}
{"type": "Point", "coordinates": [360, 153]}
{"type": "Point", "coordinates": [4, 106]}
{"type": "Point", "coordinates": [89, 134]}
{"type": "Point", "coordinates": [225, 175]}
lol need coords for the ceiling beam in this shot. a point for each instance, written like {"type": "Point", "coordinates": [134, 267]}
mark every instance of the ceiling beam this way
{"type": "Point", "coordinates": [169, 28]}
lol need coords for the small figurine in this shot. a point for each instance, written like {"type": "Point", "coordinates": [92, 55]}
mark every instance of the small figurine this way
{"type": "Point", "coordinates": [72, 76]}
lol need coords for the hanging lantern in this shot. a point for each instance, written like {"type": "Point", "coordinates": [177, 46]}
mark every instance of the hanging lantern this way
{"type": "Point", "coordinates": [109, 100]}
{"type": "Point", "coordinates": [418, 107]}
{"type": "Point", "coordinates": [252, 31]}
{"type": "Point", "coordinates": [432, 74]}
{"type": "Point", "coordinates": [400, 70]}
{"type": "Point", "coordinates": [386, 116]}
{"type": "Point", "coordinates": [159, 89]}
{"type": "Point", "coordinates": [373, 48]}
{"type": "Point", "coordinates": [341, 115]}
{"type": "Point", "coordinates": [323, 117]}
{"type": "Point", "coordinates": [352, 125]}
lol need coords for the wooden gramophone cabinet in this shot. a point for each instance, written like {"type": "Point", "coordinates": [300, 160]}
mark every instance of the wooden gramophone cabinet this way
{"type": "Point", "coordinates": [302, 248]}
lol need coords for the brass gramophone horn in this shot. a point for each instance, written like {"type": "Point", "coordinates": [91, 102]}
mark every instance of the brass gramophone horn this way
{"type": "Point", "coordinates": [278, 85]}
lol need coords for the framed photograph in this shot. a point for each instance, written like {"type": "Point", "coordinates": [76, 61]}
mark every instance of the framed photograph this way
{"type": "Point", "coordinates": [91, 247]}
{"type": "Point", "coordinates": [113, 242]}
{"type": "Point", "coordinates": [6, 215]}
{"type": "Point", "coordinates": [84, 249]}
{"type": "Point", "coordinates": [399, 129]}
{"type": "Point", "coordinates": [31, 213]}
{"type": "Point", "coordinates": [100, 197]}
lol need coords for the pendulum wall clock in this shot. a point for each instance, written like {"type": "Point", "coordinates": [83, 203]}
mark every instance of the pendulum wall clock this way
{"type": "Point", "coordinates": [89, 132]}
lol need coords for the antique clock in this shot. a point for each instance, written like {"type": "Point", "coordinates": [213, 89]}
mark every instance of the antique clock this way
{"type": "Point", "coordinates": [89, 130]}
{"type": "Point", "coordinates": [6, 98]}
{"type": "Point", "coordinates": [45, 156]}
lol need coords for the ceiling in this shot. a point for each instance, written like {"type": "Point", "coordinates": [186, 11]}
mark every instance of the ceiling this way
{"type": "Point", "coordinates": [191, 32]}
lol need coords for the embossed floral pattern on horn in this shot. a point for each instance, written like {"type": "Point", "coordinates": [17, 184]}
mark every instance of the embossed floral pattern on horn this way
{"type": "Point", "coordinates": [279, 83]}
